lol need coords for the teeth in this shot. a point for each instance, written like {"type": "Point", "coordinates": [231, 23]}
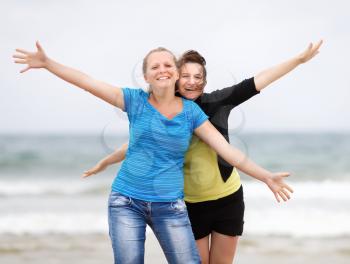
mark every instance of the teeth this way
{"type": "Point", "coordinates": [163, 78]}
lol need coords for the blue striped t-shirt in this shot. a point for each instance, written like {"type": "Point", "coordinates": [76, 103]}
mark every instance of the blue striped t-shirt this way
{"type": "Point", "coordinates": [153, 166]}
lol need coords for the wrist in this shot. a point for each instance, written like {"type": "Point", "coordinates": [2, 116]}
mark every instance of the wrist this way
{"type": "Point", "coordinates": [47, 63]}
{"type": "Point", "coordinates": [101, 165]}
{"type": "Point", "coordinates": [267, 178]}
{"type": "Point", "coordinates": [299, 59]}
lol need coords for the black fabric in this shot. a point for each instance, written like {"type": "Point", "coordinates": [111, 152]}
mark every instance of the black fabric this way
{"type": "Point", "coordinates": [218, 105]}
{"type": "Point", "coordinates": [224, 216]}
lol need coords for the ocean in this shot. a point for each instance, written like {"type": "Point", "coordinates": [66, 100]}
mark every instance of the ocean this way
{"type": "Point", "coordinates": [42, 192]}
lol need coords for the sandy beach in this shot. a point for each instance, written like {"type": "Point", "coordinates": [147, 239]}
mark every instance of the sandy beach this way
{"type": "Point", "coordinates": [89, 249]}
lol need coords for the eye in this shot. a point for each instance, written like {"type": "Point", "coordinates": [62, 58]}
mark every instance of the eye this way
{"type": "Point", "coordinates": [154, 67]}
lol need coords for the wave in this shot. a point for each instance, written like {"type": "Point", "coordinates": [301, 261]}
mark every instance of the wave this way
{"type": "Point", "coordinates": [49, 223]}
{"type": "Point", "coordinates": [305, 223]}
{"type": "Point", "coordinates": [51, 187]}
{"type": "Point", "coordinates": [334, 190]}
{"type": "Point", "coordinates": [328, 189]}
{"type": "Point", "coordinates": [317, 209]}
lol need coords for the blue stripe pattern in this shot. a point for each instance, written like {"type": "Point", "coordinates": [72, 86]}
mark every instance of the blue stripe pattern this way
{"type": "Point", "coordinates": [153, 167]}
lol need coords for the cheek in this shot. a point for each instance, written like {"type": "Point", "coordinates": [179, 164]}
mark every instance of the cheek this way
{"type": "Point", "coordinates": [149, 75]}
{"type": "Point", "coordinates": [181, 83]}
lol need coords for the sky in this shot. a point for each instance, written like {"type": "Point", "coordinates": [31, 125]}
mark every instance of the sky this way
{"type": "Point", "coordinates": [108, 40]}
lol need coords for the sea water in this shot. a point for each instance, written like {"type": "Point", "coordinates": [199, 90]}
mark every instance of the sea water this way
{"type": "Point", "coordinates": [42, 192]}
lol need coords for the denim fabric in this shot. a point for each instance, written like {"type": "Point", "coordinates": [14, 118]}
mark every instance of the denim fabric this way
{"type": "Point", "coordinates": [128, 218]}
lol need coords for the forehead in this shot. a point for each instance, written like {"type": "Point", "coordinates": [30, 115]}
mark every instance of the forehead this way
{"type": "Point", "coordinates": [160, 57]}
{"type": "Point", "coordinates": [192, 68]}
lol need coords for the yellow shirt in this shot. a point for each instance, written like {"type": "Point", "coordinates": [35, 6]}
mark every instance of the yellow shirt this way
{"type": "Point", "coordinates": [203, 181]}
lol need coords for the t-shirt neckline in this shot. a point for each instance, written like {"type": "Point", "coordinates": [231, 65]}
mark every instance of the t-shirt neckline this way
{"type": "Point", "coordinates": [159, 113]}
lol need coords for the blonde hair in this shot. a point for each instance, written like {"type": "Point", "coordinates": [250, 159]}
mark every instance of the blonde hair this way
{"type": "Point", "coordinates": [159, 49]}
{"type": "Point", "coordinates": [144, 64]}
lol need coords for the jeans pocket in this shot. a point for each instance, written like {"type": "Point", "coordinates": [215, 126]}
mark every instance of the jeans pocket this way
{"type": "Point", "coordinates": [179, 206]}
{"type": "Point", "coordinates": [117, 199]}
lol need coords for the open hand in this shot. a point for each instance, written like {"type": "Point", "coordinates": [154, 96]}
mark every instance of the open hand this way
{"type": "Point", "coordinates": [311, 51]}
{"type": "Point", "coordinates": [92, 171]}
{"type": "Point", "coordinates": [279, 188]}
{"type": "Point", "coordinates": [36, 59]}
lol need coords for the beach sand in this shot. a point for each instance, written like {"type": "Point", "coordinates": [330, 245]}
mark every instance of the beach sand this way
{"type": "Point", "coordinates": [89, 249]}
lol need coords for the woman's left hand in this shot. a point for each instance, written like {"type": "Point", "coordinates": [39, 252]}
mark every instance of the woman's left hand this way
{"type": "Point", "coordinates": [310, 52]}
{"type": "Point", "coordinates": [279, 188]}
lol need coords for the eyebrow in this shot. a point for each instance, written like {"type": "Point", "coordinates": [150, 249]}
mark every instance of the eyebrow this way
{"type": "Point", "coordinates": [197, 74]}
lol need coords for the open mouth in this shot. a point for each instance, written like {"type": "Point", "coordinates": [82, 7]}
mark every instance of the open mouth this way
{"type": "Point", "coordinates": [193, 89]}
{"type": "Point", "coordinates": [163, 78]}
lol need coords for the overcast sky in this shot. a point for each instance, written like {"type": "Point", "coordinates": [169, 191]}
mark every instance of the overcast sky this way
{"type": "Point", "coordinates": [108, 40]}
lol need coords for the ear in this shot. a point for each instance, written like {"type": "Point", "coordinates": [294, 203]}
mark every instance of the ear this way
{"type": "Point", "coordinates": [145, 77]}
{"type": "Point", "coordinates": [177, 76]}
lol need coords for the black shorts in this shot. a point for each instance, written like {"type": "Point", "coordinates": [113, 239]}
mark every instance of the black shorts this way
{"type": "Point", "coordinates": [224, 216]}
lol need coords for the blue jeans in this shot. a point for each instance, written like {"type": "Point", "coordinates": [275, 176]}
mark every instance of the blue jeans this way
{"type": "Point", "coordinates": [128, 218]}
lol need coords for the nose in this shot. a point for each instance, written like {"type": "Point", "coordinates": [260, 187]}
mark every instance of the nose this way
{"type": "Point", "coordinates": [192, 80]}
{"type": "Point", "coordinates": [162, 69]}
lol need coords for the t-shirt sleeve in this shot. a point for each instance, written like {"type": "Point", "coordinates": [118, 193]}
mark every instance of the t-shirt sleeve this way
{"type": "Point", "coordinates": [128, 97]}
{"type": "Point", "coordinates": [233, 95]}
{"type": "Point", "coordinates": [132, 98]}
{"type": "Point", "coordinates": [198, 116]}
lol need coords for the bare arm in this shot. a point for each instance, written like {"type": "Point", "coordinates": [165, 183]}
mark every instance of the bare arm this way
{"type": "Point", "coordinates": [117, 156]}
{"type": "Point", "coordinates": [236, 158]}
{"type": "Point", "coordinates": [38, 59]}
{"type": "Point", "coordinates": [272, 74]}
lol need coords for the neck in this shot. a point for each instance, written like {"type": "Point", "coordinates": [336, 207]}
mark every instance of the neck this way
{"type": "Point", "coordinates": [162, 96]}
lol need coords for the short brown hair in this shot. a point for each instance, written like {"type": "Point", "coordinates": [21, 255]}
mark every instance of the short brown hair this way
{"type": "Point", "coordinates": [194, 57]}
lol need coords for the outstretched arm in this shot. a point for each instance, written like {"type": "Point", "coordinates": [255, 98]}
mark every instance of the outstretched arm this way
{"type": "Point", "coordinates": [117, 156]}
{"type": "Point", "coordinates": [272, 74]}
{"type": "Point", "coordinates": [236, 158]}
{"type": "Point", "coordinates": [38, 59]}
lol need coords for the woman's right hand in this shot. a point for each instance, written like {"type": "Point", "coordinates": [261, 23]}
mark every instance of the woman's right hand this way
{"type": "Point", "coordinates": [34, 60]}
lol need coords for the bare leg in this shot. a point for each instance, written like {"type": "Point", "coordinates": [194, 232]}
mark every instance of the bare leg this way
{"type": "Point", "coordinates": [203, 248]}
{"type": "Point", "coordinates": [222, 248]}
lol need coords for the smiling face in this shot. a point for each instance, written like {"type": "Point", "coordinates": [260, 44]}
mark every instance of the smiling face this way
{"type": "Point", "coordinates": [160, 70]}
{"type": "Point", "coordinates": [191, 82]}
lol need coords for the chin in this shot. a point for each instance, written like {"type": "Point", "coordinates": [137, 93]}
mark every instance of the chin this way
{"type": "Point", "coordinates": [164, 85]}
{"type": "Point", "coordinates": [190, 96]}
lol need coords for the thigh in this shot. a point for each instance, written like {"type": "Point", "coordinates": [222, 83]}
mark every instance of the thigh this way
{"type": "Point", "coordinates": [203, 248]}
{"type": "Point", "coordinates": [127, 228]}
{"type": "Point", "coordinates": [201, 220]}
{"type": "Point", "coordinates": [222, 248]}
{"type": "Point", "coordinates": [172, 228]}
{"type": "Point", "coordinates": [228, 217]}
